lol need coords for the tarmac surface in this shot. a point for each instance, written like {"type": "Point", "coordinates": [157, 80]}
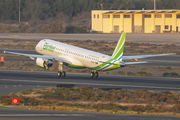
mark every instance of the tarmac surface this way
{"type": "Point", "coordinates": [13, 81]}
{"type": "Point", "coordinates": [167, 38]}
{"type": "Point", "coordinates": [13, 113]}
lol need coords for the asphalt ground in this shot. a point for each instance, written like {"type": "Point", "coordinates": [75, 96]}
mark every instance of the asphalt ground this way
{"type": "Point", "coordinates": [13, 81]}
{"type": "Point", "coordinates": [13, 113]}
{"type": "Point", "coordinates": [130, 37]}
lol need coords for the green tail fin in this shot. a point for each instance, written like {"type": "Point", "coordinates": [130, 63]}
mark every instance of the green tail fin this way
{"type": "Point", "coordinates": [118, 52]}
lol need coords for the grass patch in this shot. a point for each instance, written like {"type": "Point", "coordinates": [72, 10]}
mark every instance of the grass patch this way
{"type": "Point", "coordinates": [172, 74]}
{"type": "Point", "coordinates": [1, 64]}
{"type": "Point", "coordinates": [28, 91]}
{"type": "Point", "coordinates": [98, 100]}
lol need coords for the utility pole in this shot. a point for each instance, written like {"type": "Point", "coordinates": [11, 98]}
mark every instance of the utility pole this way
{"type": "Point", "coordinates": [19, 13]}
{"type": "Point", "coordinates": [154, 4]}
{"type": "Point", "coordinates": [102, 16]}
{"type": "Point", "coordinates": [101, 6]}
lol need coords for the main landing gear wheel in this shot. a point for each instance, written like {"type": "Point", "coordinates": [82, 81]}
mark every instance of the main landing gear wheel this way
{"type": "Point", "coordinates": [59, 74]}
{"type": "Point", "coordinates": [94, 74]}
{"type": "Point", "coordinates": [64, 74]}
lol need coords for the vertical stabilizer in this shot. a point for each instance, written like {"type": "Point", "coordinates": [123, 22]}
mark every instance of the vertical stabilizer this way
{"type": "Point", "coordinates": [118, 52]}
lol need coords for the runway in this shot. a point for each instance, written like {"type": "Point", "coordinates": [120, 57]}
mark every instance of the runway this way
{"type": "Point", "coordinates": [13, 81]}
{"type": "Point", "coordinates": [12, 113]}
{"type": "Point", "coordinates": [131, 37]}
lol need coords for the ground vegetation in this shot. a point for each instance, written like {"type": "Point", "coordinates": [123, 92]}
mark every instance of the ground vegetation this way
{"type": "Point", "coordinates": [98, 100]}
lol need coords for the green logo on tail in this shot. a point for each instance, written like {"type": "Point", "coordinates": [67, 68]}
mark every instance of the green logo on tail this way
{"type": "Point", "coordinates": [118, 52]}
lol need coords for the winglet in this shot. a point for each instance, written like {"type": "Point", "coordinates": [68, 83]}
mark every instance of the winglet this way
{"type": "Point", "coordinates": [118, 52]}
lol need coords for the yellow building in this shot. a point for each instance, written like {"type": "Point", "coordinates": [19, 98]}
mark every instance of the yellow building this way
{"type": "Point", "coordinates": [135, 21]}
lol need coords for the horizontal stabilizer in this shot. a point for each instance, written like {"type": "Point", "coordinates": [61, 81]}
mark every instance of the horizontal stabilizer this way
{"type": "Point", "coordinates": [144, 56]}
{"type": "Point", "coordinates": [131, 63]}
{"type": "Point", "coordinates": [109, 63]}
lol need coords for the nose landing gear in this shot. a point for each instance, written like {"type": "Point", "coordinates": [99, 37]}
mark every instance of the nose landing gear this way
{"type": "Point", "coordinates": [60, 70]}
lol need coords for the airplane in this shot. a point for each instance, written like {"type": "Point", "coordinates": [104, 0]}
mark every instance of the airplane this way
{"type": "Point", "coordinates": [76, 57]}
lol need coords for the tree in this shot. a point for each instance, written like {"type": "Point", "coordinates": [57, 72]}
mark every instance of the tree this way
{"type": "Point", "coordinates": [42, 9]}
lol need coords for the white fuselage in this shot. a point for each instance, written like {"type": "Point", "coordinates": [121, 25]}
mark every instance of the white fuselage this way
{"type": "Point", "coordinates": [79, 56]}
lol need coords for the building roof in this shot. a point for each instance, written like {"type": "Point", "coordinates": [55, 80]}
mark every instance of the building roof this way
{"type": "Point", "coordinates": [140, 11]}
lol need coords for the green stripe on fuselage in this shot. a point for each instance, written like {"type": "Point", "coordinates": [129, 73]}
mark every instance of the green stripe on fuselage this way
{"type": "Point", "coordinates": [113, 67]}
{"type": "Point", "coordinates": [75, 66]}
{"type": "Point", "coordinates": [102, 65]}
{"type": "Point", "coordinates": [42, 67]}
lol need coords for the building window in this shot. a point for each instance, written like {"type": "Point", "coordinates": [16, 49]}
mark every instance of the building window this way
{"type": "Point", "coordinates": [178, 16]}
{"type": "Point", "coordinates": [157, 15]}
{"type": "Point", "coordinates": [94, 15]}
{"type": "Point", "coordinates": [147, 16]}
{"type": "Point", "coordinates": [168, 15]}
{"type": "Point", "coordinates": [116, 16]}
{"type": "Point", "coordinates": [106, 16]}
{"type": "Point", "coordinates": [126, 16]}
{"type": "Point", "coordinates": [166, 26]}
{"type": "Point", "coordinates": [97, 15]}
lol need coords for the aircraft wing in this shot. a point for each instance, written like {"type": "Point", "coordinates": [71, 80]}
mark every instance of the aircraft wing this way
{"type": "Point", "coordinates": [32, 56]}
{"type": "Point", "coordinates": [144, 56]}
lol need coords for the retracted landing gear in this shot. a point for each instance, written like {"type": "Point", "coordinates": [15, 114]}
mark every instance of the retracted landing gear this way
{"type": "Point", "coordinates": [94, 74]}
{"type": "Point", "coordinates": [60, 70]}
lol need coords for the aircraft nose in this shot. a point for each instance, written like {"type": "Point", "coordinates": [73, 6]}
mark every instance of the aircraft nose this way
{"type": "Point", "coordinates": [38, 46]}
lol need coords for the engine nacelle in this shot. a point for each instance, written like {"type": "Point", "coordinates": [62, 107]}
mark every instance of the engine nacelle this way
{"type": "Point", "coordinates": [45, 64]}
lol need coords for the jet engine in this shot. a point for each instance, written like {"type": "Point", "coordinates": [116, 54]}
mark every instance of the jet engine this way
{"type": "Point", "coordinates": [43, 63]}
